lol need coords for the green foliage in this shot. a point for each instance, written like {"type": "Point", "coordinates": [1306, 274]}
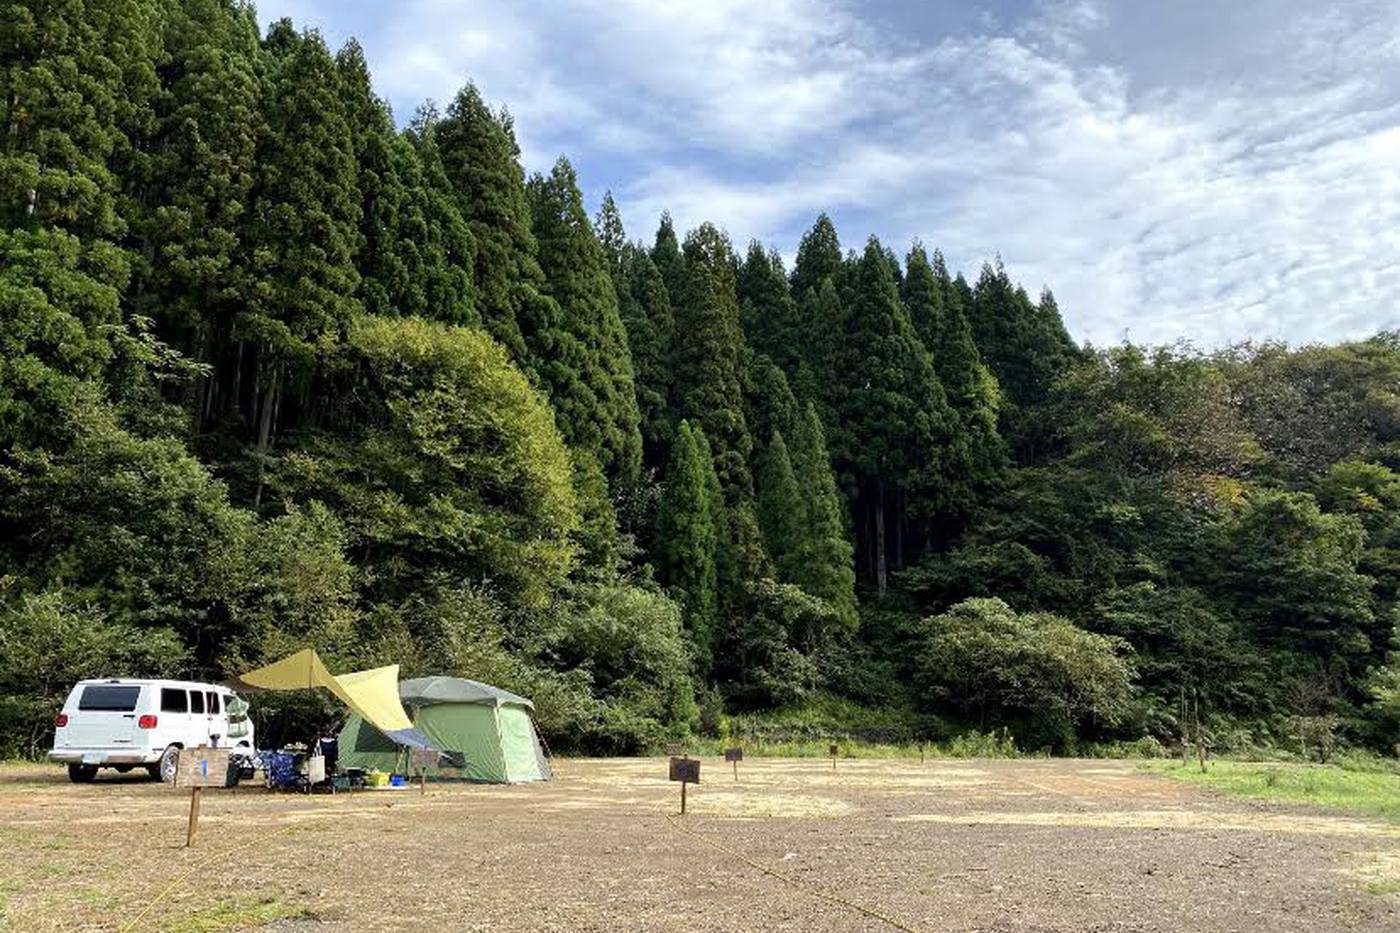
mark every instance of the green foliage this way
{"type": "Point", "coordinates": [1291, 570]}
{"type": "Point", "coordinates": [689, 539]}
{"type": "Point", "coordinates": [1034, 669]}
{"type": "Point", "coordinates": [645, 309]}
{"type": "Point", "coordinates": [767, 309]}
{"type": "Point", "coordinates": [481, 165]}
{"type": "Point", "coordinates": [196, 202]}
{"type": "Point", "coordinates": [822, 561]}
{"type": "Point", "coordinates": [306, 213]}
{"type": "Point", "coordinates": [441, 459]}
{"type": "Point", "coordinates": [582, 354]}
{"type": "Point", "coordinates": [708, 355]}
{"type": "Point", "coordinates": [50, 640]}
{"type": "Point", "coordinates": [889, 424]}
{"type": "Point", "coordinates": [780, 508]}
{"type": "Point", "coordinates": [629, 644]}
{"type": "Point", "coordinates": [1025, 345]}
{"type": "Point", "coordinates": [773, 654]}
{"type": "Point", "coordinates": [977, 452]}
{"type": "Point", "coordinates": [415, 254]}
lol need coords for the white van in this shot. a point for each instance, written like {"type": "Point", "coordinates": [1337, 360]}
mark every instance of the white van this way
{"type": "Point", "coordinates": [124, 724]}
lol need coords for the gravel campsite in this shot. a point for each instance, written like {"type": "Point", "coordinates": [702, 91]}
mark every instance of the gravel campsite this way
{"type": "Point", "coordinates": [793, 844]}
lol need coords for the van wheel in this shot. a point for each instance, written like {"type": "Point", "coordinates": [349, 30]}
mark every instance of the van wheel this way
{"type": "Point", "coordinates": [81, 774]}
{"type": "Point", "coordinates": [169, 763]}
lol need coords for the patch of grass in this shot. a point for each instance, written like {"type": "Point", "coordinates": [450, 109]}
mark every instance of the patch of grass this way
{"type": "Point", "coordinates": [967, 745]}
{"type": "Point", "coordinates": [1385, 887]}
{"type": "Point", "coordinates": [1369, 786]}
{"type": "Point", "coordinates": [234, 914]}
{"type": "Point", "coordinates": [859, 731]}
{"type": "Point", "coordinates": [7, 888]}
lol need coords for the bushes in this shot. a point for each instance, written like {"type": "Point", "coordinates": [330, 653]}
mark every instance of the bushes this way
{"type": "Point", "coordinates": [1035, 670]}
{"type": "Point", "coordinates": [47, 642]}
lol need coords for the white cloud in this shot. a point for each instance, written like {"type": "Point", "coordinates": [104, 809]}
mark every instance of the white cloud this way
{"type": "Point", "coordinates": [1246, 185]}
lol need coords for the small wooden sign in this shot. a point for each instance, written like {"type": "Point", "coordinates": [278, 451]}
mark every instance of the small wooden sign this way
{"type": "Point", "coordinates": [202, 767]}
{"type": "Point", "coordinates": [833, 751]}
{"type": "Point", "coordinates": [421, 759]}
{"type": "Point", "coordinates": [685, 770]}
{"type": "Point", "coordinates": [733, 754]}
{"type": "Point", "coordinates": [198, 768]}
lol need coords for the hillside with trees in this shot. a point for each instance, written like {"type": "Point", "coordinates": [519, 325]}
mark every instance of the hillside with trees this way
{"type": "Point", "coordinates": [278, 369]}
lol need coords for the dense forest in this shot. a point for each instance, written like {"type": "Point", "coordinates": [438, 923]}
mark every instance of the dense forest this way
{"type": "Point", "coordinates": [277, 369]}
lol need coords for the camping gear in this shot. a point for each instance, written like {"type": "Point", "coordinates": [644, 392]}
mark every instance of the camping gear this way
{"type": "Point", "coordinates": [281, 771]}
{"type": "Point", "coordinates": [372, 694]}
{"type": "Point", "coordinates": [236, 708]}
{"type": "Point", "coordinates": [485, 734]}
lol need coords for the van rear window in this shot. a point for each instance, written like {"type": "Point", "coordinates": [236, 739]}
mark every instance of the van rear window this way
{"type": "Point", "coordinates": [110, 699]}
{"type": "Point", "coordinates": [174, 701]}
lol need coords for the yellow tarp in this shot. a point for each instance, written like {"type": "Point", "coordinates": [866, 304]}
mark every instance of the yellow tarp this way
{"type": "Point", "coordinates": [374, 694]}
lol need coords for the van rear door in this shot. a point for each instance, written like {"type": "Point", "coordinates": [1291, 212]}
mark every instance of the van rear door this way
{"type": "Point", "coordinates": [105, 716]}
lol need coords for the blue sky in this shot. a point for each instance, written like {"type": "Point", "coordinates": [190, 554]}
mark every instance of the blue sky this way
{"type": "Point", "coordinates": [1194, 169]}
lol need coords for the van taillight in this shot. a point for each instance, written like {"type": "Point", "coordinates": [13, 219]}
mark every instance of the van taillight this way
{"type": "Point", "coordinates": [61, 721]}
{"type": "Point", "coordinates": [146, 722]}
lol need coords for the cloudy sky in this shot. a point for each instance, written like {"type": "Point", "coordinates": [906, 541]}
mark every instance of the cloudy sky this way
{"type": "Point", "coordinates": [1192, 169]}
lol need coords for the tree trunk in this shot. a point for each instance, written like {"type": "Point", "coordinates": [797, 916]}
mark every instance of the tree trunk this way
{"type": "Point", "coordinates": [268, 415]}
{"type": "Point", "coordinates": [881, 566]}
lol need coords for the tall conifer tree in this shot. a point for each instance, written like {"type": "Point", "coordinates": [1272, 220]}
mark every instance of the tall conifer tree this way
{"type": "Point", "coordinates": [666, 254]}
{"type": "Point", "coordinates": [435, 243]}
{"type": "Point", "coordinates": [708, 355]}
{"type": "Point", "coordinates": [823, 563]}
{"type": "Point", "coordinates": [481, 162]}
{"type": "Point", "coordinates": [889, 411]}
{"type": "Point", "coordinates": [583, 358]}
{"type": "Point", "coordinates": [780, 508]}
{"type": "Point", "coordinates": [645, 309]}
{"type": "Point", "coordinates": [305, 223]}
{"type": "Point", "coordinates": [687, 540]}
{"type": "Point", "coordinates": [195, 207]}
{"type": "Point", "coordinates": [767, 309]}
{"type": "Point", "coordinates": [818, 259]}
{"type": "Point", "coordinates": [976, 451]}
{"type": "Point", "coordinates": [611, 236]}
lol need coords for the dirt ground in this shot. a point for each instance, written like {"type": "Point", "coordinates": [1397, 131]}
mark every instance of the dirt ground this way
{"type": "Point", "coordinates": [792, 845]}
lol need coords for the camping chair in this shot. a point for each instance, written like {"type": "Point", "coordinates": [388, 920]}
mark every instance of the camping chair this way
{"type": "Point", "coordinates": [282, 771]}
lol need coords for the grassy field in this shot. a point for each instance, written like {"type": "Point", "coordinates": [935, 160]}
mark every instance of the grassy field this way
{"type": "Point", "coordinates": [1372, 788]}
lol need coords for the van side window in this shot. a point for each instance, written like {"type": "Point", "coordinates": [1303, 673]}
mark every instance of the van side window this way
{"type": "Point", "coordinates": [196, 701]}
{"type": "Point", "coordinates": [213, 699]}
{"type": "Point", "coordinates": [174, 701]}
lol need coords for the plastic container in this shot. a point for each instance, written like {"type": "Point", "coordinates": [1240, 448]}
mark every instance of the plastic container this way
{"type": "Point", "coordinates": [397, 781]}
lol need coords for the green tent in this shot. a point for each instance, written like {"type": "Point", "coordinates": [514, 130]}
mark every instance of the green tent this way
{"type": "Point", "coordinates": [484, 733]}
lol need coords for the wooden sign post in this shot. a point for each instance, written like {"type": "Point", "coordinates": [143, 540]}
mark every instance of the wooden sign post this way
{"type": "Point", "coordinates": [198, 768]}
{"type": "Point", "coordinates": [422, 759]}
{"type": "Point", "coordinates": [833, 750]}
{"type": "Point", "coordinates": [687, 771]}
{"type": "Point", "coordinates": [735, 755]}
{"type": "Point", "coordinates": [921, 753]}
